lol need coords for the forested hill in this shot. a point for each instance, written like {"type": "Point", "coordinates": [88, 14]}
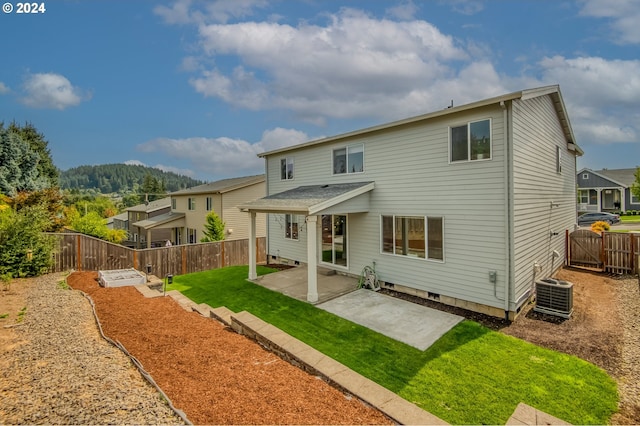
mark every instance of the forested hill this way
{"type": "Point", "coordinates": [120, 178]}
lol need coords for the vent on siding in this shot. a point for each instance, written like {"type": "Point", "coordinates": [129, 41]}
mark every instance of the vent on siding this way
{"type": "Point", "coordinates": [554, 297]}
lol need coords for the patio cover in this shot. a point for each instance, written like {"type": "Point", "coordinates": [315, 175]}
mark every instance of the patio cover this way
{"type": "Point", "coordinates": [315, 199]}
{"type": "Point", "coordinates": [311, 201]}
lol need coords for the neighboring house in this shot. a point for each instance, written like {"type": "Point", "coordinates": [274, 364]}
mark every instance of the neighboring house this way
{"type": "Point", "coordinates": [606, 190]}
{"type": "Point", "coordinates": [140, 216]}
{"type": "Point", "coordinates": [466, 206]}
{"type": "Point", "coordinates": [189, 208]}
{"type": "Point", "coordinates": [119, 221]}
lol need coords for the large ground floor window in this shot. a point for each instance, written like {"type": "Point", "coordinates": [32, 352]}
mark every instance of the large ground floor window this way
{"type": "Point", "coordinates": [413, 236]}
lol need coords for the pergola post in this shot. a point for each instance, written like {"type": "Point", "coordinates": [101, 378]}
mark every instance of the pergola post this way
{"type": "Point", "coordinates": [149, 238]}
{"type": "Point", "coordinates": [252, 246]}
{"type": "Point", "coordinates": [312, 259]}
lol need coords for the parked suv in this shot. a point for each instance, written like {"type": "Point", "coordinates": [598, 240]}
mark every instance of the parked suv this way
{"type": "Point", "coordinates": [589, 218]}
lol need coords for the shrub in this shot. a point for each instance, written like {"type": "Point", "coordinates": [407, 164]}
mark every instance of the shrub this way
{"type": "Point", "coordinates": [600, 226]}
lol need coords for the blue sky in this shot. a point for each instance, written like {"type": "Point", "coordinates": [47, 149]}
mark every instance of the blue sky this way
{"type": "Point", "coordinates": [201, 87]}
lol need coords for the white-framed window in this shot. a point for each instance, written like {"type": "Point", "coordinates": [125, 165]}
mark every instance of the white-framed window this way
{"type": "Point", "coordinates": [191, 203]}
{"type": "Point", "coordinates": [413, 236]}
{"type": "Point", "coordinates": [291, 227]}
{"type": "Point", "coordinates": [583, 196]}
{"type": "Point", "coordinates": [286, 168]}
{"type": "Point", "coordinates": [470, 142]}
{"type": "Point", "coordinates": [634, 199]}
{"type": "Point", "coordinates": [348, 159]}
{"type": "Point", "coordinates": [209, 204]}
{"type": "Point", "coordinates": [585, 176]}
{"type": "Point", "coordinates": [192, 236]}
{"type": "Point", "coordinates": [558, 159]}
{"type": "Point", "coordinates": [174, 203]}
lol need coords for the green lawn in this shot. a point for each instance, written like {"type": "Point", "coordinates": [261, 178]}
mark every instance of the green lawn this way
{"type": "Point", "coordinates": [472, 375]}
{"type": "Point", "coordinates": [630, 219]}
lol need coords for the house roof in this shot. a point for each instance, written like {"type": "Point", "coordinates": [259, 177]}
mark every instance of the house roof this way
{"type": "Point", "coordinates": [222, 186]}
{"type": "Point", "coordinates": [152, 206]}
{"type": "Point", "coordinates": [553, 91]}
{"type": "Point", "coordinates": [622, 177]}
{"type": "Point", "coordinates": [310, 199]}
{"type": "Point", "coordinates": [174, 218]}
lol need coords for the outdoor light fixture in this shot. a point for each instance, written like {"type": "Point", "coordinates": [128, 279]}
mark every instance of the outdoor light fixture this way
{"type": "Point", "coordinates": [168, 280]}
{"type": "Point", "coordinates": [29, 255]}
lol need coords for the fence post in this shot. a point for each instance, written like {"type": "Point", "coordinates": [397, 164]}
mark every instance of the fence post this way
{"type": "Point", "coordinates": [223, 263]}
{"type": "Point", "coordinates": [184, 259]}
{"type": "Point", "coordinates": [566, 247]}
{"type": "Point", "coordinates": [78, 253]}
{"type": "Point", "coordinates": [633, 254]}
{"type": "Point", "coordinates": [135, 260]}
{"type": "Point", "coordinates": [603, 253]}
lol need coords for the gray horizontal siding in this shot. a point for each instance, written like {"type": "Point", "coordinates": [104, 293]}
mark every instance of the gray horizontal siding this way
{"type": "Point", "coordinates": [536, 134]}
{"type": "Point", "coordinates": [412, 174]}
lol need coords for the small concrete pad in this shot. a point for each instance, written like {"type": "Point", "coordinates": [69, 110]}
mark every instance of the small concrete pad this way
{"type": "Point", "coordinates": [407, 322]}
{"type": "Point", "coordinates": [527, 415]}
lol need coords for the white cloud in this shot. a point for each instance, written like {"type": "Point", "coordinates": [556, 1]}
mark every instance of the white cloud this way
{"type": "Point", "coordinates": [135, 163]}
{"type": "Point", "coordinates": [3, 89]}
{"type": "Point", "coordinates": [624, 16]}
{"type": "Point", "coordinates": [52, 91]}
{"type": "Point", "coordinates": [465, 7]}
{"type": "Point", "coordinates": [602, 96]}
{"type": "Point", "coordinates": [186, 11]}
{"type": "Point", "coordinates": [405, 11]}
{"type": "Point", "coordinates": [224, 157]}
{"type": "Point", "coordinates": [354, 66]}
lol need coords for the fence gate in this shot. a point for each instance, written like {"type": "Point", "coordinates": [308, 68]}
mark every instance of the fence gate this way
{"type": "Point", "coordinates": [585, 249]}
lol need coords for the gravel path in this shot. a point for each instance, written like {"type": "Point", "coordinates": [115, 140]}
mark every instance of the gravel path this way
{"type": "Point", "coordinates": [629, 380]}
{"type": "Point", "coordinates": [60, 371]}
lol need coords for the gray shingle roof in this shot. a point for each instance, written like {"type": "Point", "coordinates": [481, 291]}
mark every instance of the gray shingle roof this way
{"type": "Point", "coordinates": [223, 185]}
{"type": "Point", "coordinates": [304, 198]}
{"type": "Point", "coordinates": [624, 176]}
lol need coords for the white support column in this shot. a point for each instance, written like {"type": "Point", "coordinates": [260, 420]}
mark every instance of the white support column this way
{"type": "Point", "coordinates": [312, 259]}
{"type": "Point", "coordinates": [252, 246]}
{"type": "Point", "coordinates": [148, 238]}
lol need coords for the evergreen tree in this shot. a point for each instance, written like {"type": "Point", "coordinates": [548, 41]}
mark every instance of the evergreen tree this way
{"type": "Point", "coordinates": [213, 228]}
{"type": "Point", "coordinates": [38, 144]}
{"type": "Point", "coordinates": [18, 165]}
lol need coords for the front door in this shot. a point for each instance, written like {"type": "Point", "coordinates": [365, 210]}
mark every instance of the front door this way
{"type": "Point", "coordinates": [334, 239]}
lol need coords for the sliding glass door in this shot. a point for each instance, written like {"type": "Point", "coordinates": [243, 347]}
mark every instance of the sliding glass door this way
{"type": "Point", "coordinates": [334, 239]}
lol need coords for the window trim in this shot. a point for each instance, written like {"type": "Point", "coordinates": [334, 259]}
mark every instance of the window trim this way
{"type": "Point", "coordinates": [174, 204]}
{"type": "Point", "coordinates": [558, 159]}
{"type": "Point", "coordinates": [585, 176]}
{"type": "Point", "coordinates": [191, 203]}
{"type": "Point", "coordinates": [468, 125]}
{"type": "Point", "coordinates": [287, 161]}
{"type": "Point", "coordinates": [425, 219]}
{"type": "Point", "coordinates": [209, 203]}
{"type": "Point", "coordinates": [631, 197]}
{"type": "Point", "coordinates": [346, 148]}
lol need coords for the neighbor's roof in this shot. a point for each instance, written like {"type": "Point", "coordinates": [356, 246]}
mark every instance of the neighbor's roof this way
{"type": "Point", "coordinates": [222, 186]}
{"type": "Point", "coordinates": [309, 199]}
{"type": "Point", "coordinates": [152, 206]}
{"type": "Point", "coordinates": [553, 91]}
{"type": "Point", "coordinates": [163, 219]}
{"type": "Point", "coordinates": [623, 177]}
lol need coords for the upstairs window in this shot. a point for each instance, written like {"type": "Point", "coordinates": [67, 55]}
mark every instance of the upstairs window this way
{"type": "Point", "coordinates": [349, 159]}
{"type": "Point", "coordinates": [286, 168]}
{"type": "Point", "coordinates": [209, 203]}
{"type": "Point", "coordinates": [470, 142]}
{"type": "Point", "coordinates": [192, 203]}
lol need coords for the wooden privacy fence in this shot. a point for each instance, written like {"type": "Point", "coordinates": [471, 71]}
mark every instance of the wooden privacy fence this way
{"type": "Point", "coordinates": [85, 253]}
{"type": "Point", "coordinates": [612, 252]}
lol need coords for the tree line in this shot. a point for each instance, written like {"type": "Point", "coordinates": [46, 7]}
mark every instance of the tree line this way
{"type": "Point", "coordinates": [122, 178]}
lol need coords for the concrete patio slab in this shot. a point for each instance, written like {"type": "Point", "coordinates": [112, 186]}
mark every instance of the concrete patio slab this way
{"type": "Point", "coordinates": [404, 321]}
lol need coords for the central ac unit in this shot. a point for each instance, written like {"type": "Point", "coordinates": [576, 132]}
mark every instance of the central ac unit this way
{"type": "Point", "coordinates": [554, 297]}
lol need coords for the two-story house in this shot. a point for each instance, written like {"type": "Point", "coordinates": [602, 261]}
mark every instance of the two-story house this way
{"type": "Point", "coordinates": [138, 216]}
{"type": "Point", "coordinates": [467, 205]}
{"type": "Point", "coordinates": [186, 219]}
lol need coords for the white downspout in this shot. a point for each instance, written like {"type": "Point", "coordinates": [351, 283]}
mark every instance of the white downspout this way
{"type": "Point", "coordinates": [507, 206]}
